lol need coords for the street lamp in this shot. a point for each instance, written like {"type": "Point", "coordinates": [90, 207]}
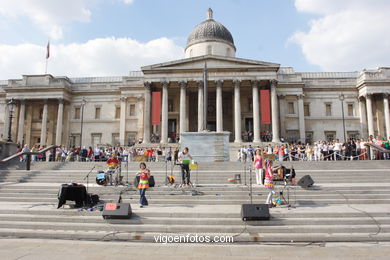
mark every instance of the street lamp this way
{"type": "Point", "coordinates": [11, 107]}
{"type": "Point", "coordinates": [83, 102]}
{"type": "Point", "coordinates": [342, 98]}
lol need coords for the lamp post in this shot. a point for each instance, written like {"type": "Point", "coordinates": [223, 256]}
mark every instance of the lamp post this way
{"type": "Point", "coordinates": [83, 102]}
{"type": "Point", "coordinates": [11, 107]}
{"type": "Point", "coordinates": [341, 98]}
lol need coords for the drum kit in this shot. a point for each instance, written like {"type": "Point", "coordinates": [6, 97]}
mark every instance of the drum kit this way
{"type": "Point", "coordinates": [109, 177]}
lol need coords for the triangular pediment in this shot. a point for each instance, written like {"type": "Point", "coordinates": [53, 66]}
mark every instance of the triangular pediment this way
{"type": "Point", "coordinates": [213, 62]}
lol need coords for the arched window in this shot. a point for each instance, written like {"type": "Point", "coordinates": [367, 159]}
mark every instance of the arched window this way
{"type": "Point", "coordinates": [228, 52]}
{"type": "Point", "coordinates": [190, 53]}
{"type": "Point", "coordinates": [209, 49]}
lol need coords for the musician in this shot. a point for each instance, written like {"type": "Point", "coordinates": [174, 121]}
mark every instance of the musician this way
{"type": "Point", "coordinates": [269, 182]}
{"type": "Point", "coordinates": [143, 185]}
{"type": "Point", "coordinates": [259, 167]}
{"type": "Point", "coordinates": [112, 164]}
{"type": "Point", "coordinates": [184, 160]}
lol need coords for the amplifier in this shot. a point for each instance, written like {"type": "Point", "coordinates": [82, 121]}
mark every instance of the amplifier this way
{"type": "Point", "coordinates": [255, 212]}
{"type": "Point", "coordinates": [116, 210]}
{"type": "Point", "coordinates": [306, 181]}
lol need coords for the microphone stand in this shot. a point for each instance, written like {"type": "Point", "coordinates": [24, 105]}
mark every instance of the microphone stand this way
{"type": "Point", "coordinates": [250, 182]}
{"type": "Point", "coordinates": [87, 176]}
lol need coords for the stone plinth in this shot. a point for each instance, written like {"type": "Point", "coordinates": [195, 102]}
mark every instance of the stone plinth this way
{"type": "Point", "coordinates": [207, 146]}
{"type": "Point", "coordinates": [7, 149]}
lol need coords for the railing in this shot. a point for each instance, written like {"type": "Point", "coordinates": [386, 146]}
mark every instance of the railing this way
{"type": "Point", "coordinates": [28, 155]}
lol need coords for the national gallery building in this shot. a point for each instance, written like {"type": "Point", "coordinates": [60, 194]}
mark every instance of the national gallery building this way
{"type": "Point", "coordinates": [162, 100]}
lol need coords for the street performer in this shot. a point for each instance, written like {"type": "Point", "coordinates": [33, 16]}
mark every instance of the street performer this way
{"type": "Point", "coordinates": [112, 165]}
{"type": "Point", "coordinates": [185, 160]}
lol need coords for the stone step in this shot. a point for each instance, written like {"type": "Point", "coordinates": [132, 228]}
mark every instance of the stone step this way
{"type": "Point", "coordinates": [140, 219]}
{"type": "Point", "coordinates": [115, 235]}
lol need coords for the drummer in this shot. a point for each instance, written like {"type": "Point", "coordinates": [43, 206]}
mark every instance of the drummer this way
{"type": "Point", "coordinates": [112, 164]}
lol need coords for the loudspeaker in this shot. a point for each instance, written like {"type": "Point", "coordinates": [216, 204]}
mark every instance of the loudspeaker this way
{"type": "Point", "coordinates": [306, 181]}
{"type": "Point", "coordinates": [255, 212]}
{"type": "Point", "coordinates": [116, 210]}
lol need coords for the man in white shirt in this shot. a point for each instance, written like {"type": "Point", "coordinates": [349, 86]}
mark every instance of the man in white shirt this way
{"type": "Point", "coordinates": [184, 159]}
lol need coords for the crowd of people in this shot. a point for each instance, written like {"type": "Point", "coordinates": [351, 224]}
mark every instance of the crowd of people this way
{"type": "Point", "coordinates": [352, 149]}
{"type": "Point", "coordinates": [100, 153]}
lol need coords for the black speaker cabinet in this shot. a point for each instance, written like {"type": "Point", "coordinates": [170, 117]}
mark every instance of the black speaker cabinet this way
{"type": "Point", "coordinates": [255, 212]}
{"type": "Point", "coordinates": [116, 210]}
{"type": "Point", "coordinates": [306, 181]}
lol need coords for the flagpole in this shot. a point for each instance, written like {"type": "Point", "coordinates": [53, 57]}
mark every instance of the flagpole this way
{"type": "Point", "coordinates": [46, 66]}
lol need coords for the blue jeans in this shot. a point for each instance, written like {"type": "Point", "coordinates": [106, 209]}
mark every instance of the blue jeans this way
{"type": "Point", "coordinates": [142, 200]}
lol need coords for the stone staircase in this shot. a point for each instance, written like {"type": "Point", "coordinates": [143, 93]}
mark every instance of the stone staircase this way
{"type": "Point", "coordinates": [349, 202]}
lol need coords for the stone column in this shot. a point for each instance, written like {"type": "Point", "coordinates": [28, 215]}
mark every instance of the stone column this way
{"type": "Point", "coordinates": [122, 124]}
{"type": "Point", "coordinates": [140, 115]}
{"type": "Point", "coordinates": [22, 112]}
{"type": "Point", "coordinates": [282, 112]}
{"type": "Point", "coordinates": [275, 112]}
{"type": "Point", "coordinates": [60, 117]}
{"type": "Point", "coordinates": [6, 121]}
{"type": "Point", "coordinates": [370, 119]}
{"type": "Point", "coordinates": [301, 114]}
{"type": "Point", "coordinates": [219, 106]}
{"type": "Point", "coordinates": [200, 106]}
{"type": "Point", "coordinates": [363, 117]}
{"type": "Point", "coordinates": [387, 114]}
{"type": "Point", "coordinates": [44, 124]}
{"type": "Point", "coordinates": [164, 113]}
{"type": "Point", "coordinates": [256, 111]}
{"type": "Point", "coordinates": [28, 125]}
{"type": "Point", "coordinates": [148, 97]}
{"type": "Point", "coordinates": [237, 112]}
{"type": "Point", "coordinates": [183, 106]}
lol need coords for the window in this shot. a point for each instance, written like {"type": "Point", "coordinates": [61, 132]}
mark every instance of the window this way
{"type": "Point", "coordinates": [117, 112]}
{"type": "Point", "coordinates": [328, 109]}
{"type": "Point", "coordinates": [330, 136]}
{"type": "Point", "coordinates": [290, 108]}
{"type": "Point", "coordinates": [96, 139]}
{"type": "Point", "coordinates": [353, 134]}
{"type": "Point", "coordinates": [191, 54]}
{"type": "Point", "coordinates": [250, 104]}
{"type": "Point", "coordinates": [306, 109]}
{"type": "Point", "coordinates": [97, 112]}
{"type": "Point", "coordinates": [115, 140]}
{"type": "Point", "coordinates": [309, 137]}
{"type": "Point", "coordinates": [132, 110]}
{"type": "Point", "coordinates": [170, 105]}
{"type": "Point", "coordinates": [228, 52]}
{"type": "Point", "coordinates": [76, 113]}
{"type": "Point", "coordinates": [209, 49]}
{"type": "Point", "coordinates": [350, 109]}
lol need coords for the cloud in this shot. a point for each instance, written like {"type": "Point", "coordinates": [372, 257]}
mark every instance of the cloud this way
{"type": "Point", "coordinates": [98, 57]}
{"type": "Point", "coordinates": [128, 1]}
{"type": "Point", "coordinates": [49, 15]}
{"type": "Point", "coordinates": [348, 35]}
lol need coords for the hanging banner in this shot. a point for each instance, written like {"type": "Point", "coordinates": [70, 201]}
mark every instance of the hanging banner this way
{"type": "Point", "coordinates": [265, 106]}
{"type": "Point", "coordinates": [156, 107]}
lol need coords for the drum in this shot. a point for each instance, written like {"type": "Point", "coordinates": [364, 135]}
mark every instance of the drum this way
{"type": "Point", "coordinates": [101, 178]}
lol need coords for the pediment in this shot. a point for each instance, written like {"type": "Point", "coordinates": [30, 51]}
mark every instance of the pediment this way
{"type": "Point", "coordinates": [213, 63]}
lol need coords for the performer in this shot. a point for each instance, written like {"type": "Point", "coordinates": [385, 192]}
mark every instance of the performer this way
{"type": "Point", "coordinates": [269, 182]}
{"type": "Point", "coordinates": [184, 160]}
{"type": "Point", "coordinates": [143, 185]}
{"type": "Point", "coordinates": [112, 164]}
{"type": "Point", "coordinates": [258, 164]}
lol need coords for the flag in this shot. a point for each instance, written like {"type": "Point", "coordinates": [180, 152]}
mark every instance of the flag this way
{"type": "Point", "coordinates": [48, 50]}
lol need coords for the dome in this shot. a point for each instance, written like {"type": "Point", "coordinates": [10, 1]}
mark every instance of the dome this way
{"type": "Point", "coordinates": [210, 30]}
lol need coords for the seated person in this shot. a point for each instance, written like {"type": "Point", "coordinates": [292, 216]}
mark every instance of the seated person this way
{"type": "Point", "coordinates": [112, 162]}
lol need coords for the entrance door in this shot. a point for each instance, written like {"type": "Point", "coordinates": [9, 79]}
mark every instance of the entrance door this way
{"type": "Point", "coordinates": [212, 126]}
{"type": "Point", "coordinates": [172, 124]}
{"type": "Point", "coordinates": [249, 124]}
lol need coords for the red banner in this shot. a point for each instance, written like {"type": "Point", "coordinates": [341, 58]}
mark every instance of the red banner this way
{"type": "Point", "coordinates": [156, 107]}
{"type": "Point", "coordinates": [265, 111]}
